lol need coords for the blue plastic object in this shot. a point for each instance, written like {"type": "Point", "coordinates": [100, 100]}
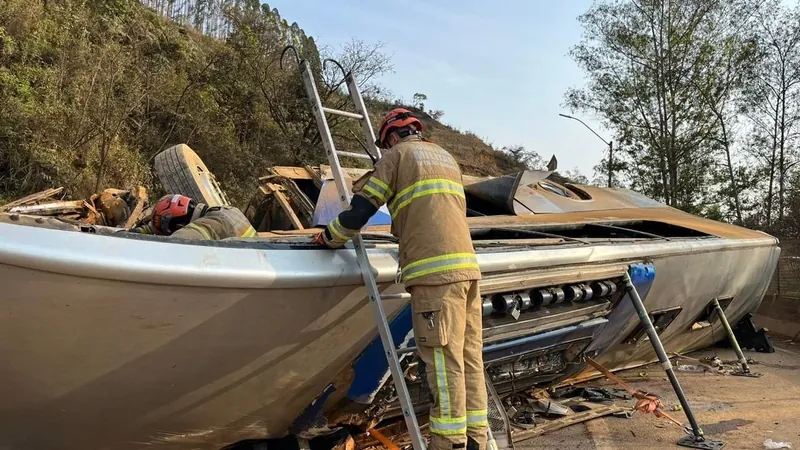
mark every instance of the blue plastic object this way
{"type": "Point", "coordinates": [642, 273]}
{"type": "Point", "coordinates": [312, 417]}
{"type": "Point", "coordinates": [371, 368]}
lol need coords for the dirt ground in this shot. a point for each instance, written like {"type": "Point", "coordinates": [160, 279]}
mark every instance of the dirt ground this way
{"type": "Point", "coordinates": [743, 412]}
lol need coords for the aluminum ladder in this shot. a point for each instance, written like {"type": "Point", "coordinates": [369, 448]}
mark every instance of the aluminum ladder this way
{"type": "Point", "coordinates": [376, 301]}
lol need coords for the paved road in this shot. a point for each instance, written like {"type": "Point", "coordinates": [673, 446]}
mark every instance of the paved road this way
{"type": "Point", "coordinates": [743, 412]}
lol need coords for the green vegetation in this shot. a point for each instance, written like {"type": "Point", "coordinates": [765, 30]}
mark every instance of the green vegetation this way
{"type": "Point", "coordinates": [702, 96]}
{"type": "Point", "coordinates": [92, 90]}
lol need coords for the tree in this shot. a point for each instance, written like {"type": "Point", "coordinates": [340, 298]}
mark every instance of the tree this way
{"type": "Point", "coordinates": [419, 98]}
{"type": "Point", "coordinates": [366, 61]}
{"type": "Point", "coordinates": [720, 88]}
{"type": "Point", "coordinates": [525, 157]}
{"type": "Point", "coordinates": [575, 176]}
{"type": "Point", "coordinates": [772, 100]}
{"type": "Point", "coordinates": [644, 61]}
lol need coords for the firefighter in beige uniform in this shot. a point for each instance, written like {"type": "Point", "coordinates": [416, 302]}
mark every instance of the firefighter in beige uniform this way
{"type": "Point", "coordinates": [181, 217]}
{"type": "Point", "coordinates": [421, 184]}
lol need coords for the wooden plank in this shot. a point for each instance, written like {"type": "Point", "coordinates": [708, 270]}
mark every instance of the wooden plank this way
{"type": "Point", "coordinates": [324, 173]}
{"type": "Point", "coordinates": [327, 174]}
{"type": "Point", "coordinates": [304, 204]}
{"type": "Point", "coordinates": [314, 176]}
{"type": "Point", "coordinates": [295, 173]}
{"type": "Point", "coordinates": [46, 194]}
{"type": "Point", "coordinates": [52, 209]}
{"type": "Point", "coordinates": [141, 200]}
{"type": "Point", "coordinates": [287, 208]}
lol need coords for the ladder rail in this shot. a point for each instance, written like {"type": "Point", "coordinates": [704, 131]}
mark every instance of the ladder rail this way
{"type": "Point", "coordinates": [361, 253]}
{"type": "Point", "coordinates": [325, 132]}
{"type": "Point", "coordinates": [361, 108]}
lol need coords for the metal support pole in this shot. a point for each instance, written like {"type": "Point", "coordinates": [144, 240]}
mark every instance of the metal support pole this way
{"type": "Point", "coordinates": [697, 440]}
{"type": "Point", "coordinates": [739, 353]}
{"type": "Point", "coordinates": [610, 162]}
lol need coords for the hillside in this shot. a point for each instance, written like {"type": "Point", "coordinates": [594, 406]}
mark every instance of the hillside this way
{"type": "Point", "coordinates": [92, 90]}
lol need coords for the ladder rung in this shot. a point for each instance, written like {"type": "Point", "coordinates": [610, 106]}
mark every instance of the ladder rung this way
{"type": "Point", "coordinates": [342, 113]}
{"type": "Point", "coordinates": [405, 351]}
{"type": "Point", "coordinates": [354, 155]}
{"type": "Point", "coordinates": [400, 296]}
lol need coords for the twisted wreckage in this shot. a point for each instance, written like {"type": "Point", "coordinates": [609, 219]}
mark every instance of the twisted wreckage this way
{"type": "Point", "coordinates": [114, 340]}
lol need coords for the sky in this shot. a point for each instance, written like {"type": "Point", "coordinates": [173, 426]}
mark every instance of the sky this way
{"type": "Point", "coordinates": [500, 72]}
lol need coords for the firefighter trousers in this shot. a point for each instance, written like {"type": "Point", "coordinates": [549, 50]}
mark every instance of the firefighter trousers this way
{"type": "Point", "coordinates": [448, 332]}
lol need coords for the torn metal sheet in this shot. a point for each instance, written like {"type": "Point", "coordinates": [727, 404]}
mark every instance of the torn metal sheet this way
{"type": "Point", "coordinates": [511, 194]}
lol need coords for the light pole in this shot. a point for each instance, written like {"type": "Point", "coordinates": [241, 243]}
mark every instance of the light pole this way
{"type": "Point", "coordinates": [610, 145]}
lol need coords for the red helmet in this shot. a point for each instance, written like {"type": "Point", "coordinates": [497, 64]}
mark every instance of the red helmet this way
{"type": "Point", "coordinates": [171, 213]}
{"type": "Point", "coordinates": [397, 118]}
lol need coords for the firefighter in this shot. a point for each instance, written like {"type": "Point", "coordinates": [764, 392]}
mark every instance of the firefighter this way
{"type": "Point", "coordinates": [181, 217]}
{"type": "Point", "coordinates": [422, 186]}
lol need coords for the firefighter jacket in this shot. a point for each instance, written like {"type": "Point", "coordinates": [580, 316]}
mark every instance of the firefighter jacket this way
{"type": "Point", "coordinates": [421, 185]}
{"type": "Point", "coordinates": [216, 223]}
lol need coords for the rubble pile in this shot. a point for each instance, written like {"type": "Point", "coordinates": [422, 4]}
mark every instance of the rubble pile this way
{"type": "Point", "coordinates": [112, 208]}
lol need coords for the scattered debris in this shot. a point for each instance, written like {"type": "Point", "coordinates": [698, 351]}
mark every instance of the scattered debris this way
{"type": "Point", "coordinates": [66, 208]}
{"type": "Point", "coordinates": [645, 402]}
{"type": "Point", "coordinates": [593, 412]}
{"type": "Point", "coordinates": [525, 418]}
{"type": "Point", "coordinates": [689, 368]}
{"type": "Point", "coordinates": [769, 444]}
{"type": "Point", "coordinates": [711, 364]}
{"type": "Point", "coordinates": [594, 394]}
{"type": "Point", "coordinates": [549, 407]}
{"type": "Point", "coordinates": [712, 361]}
{"type": "Point", "coordinates": [112, 207]}
{"type": "Point", "coordinates": [752, 338]}
{"type": "Point", "coordinates": [33, 199]}
{"type": "Point", "coordinates": [347, 444]}
{"type": "Point", "coordinates": [624, 414]}
{"type": "Point", "coordinates": [382, 439]}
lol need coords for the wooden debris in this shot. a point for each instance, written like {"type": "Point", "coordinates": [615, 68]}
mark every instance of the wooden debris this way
{"type": "Point", "coordinates": [397, 432]}
{"type": "Point", "coordinates": [33, 198]}
{"type": "Point", "coordinates": [347, 444]}
{"type": "Point", "coordinates": [295, 173]}
{"type": "Point", "coordinates": [382, 439]}
{"type": "Point", "coordinates": [93, 217]}
{"type": "Point", "coordinates": [314, 176]}
{"type": "Point", "coordinates": [51, 209]}
{"type": "Point", "coordinates": [284, 202]}
{"type": "Point", "coordinates": [138, 210]}
{"type": "Point", "coordinates": [304, 205]}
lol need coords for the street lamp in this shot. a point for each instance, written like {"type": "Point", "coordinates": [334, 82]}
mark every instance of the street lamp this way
{"type": "Point", "coordinates": [610, 145]}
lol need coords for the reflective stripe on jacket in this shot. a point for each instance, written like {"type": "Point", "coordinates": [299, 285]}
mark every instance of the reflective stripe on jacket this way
{"type": "Point", "coordinates": [219, 222]}
{"type": "Point", "coordinates": [421, 184]}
